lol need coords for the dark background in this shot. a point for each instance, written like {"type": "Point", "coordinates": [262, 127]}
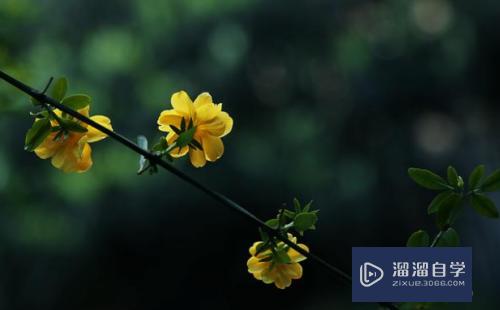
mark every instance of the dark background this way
{"type": "Point", "coordinates": [332, 101]}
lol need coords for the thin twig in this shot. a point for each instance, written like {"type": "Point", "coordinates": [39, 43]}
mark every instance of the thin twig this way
{"type": "Point", "coordinates": [41, 97]}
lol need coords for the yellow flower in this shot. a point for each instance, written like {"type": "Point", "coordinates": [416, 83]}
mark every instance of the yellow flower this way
{"type": "Point", "coordinates": [209, 121]}
{"type": "Point", "coordinates": [281, 274]}
{"type": "Point", "coordinates": [73, 154]}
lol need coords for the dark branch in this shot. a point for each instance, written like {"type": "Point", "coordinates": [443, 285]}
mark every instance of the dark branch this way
{"type": "Point", "coordinates": [41, 97]}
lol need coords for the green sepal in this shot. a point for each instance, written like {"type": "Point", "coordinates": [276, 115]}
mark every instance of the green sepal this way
{"type": "Point", "coordinates": [282, 257]}
{"type": "Point", "coordinates": [185, 137]}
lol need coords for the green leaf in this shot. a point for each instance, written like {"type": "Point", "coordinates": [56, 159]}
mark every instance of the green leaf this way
{"type": "Point", "coordinates": [289, 214]}
{"type": "Point", "coordinates": [281, 218]}
{"type": "Point", "coordinates": [484, 205]}
{"type": "Point", "coordinates": [419, 238]}
{"type": "Point", "coordinates": [59, 89]}
{"type": "Point", "coordinates": [447, 211]}
{"type": "Point", "coordinates": [77, 102]}
{"type": "Point", "coordinates": [304, 221]}
{"type": "Point", "coordinates": [452, 176]}
{"type": "Point", "coordinates": [428, 179]}
{"type": "Point", "coordinates": [142, 141]}
{"type": "Point", "coordinates": [492, 182]}
{"type": "Point", "coordinates": [307, 207]}
{"type": "Point", "coordinates": [296, 205]}
{"type": "Point", "coordinates": [449, 238]}
{"type": "Point", "coordinates": [37, 134]}
{"type": "Point", "coordinates": [475, 177]}
{"type": "Point", "coordinates": [439, 200]}
{"type": "Point", "coordinates": [273, 223]}
{"type": "Point", "coordinates": [72, 125]}
{"type": "Point", "coordinates": [263, 235]}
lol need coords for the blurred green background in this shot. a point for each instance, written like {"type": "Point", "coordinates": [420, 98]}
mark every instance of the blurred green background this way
{"type": "Point", "coordinates": [332, 101]}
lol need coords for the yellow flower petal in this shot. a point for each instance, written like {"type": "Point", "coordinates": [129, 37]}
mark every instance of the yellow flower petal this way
{"type": "Point", "coordinates": [48, 147]}
{"type": "Point", "coordinates": [282, 282]}
{"type": "Point", "coordinates": [73, 156]}
{"type": "Point", "coordinates": [294, 270]}
{"type": "Point", "coordinates": [182, 103]}
{"type": "Point", "coordinates": [85, 111]}
{"type": "Point", "coordinates": [296, 256]}
{"type": "Point", "coordinates": [197, 158]}
{"type": "Point", "coordinates": [213, 147]}
{"type": "Point", "coordinates": [167, 118]}
{"type": "Point", "coordinates": [277, 275]}
{"type": "Point", "coordinates": [253, 248]}
{"type": "Point", "coordinates": [94, 135]}
{"type": "Point", "coordinates": [206, 113]}
{"type": "Point", "coordinates": [254, 265]}
{"type": "Point", "coordinates": [268, 276]}
{"type": "Point", "coordinates": [228, 123]}
{"type": "Point", "coordinates": [214, 128]}
{"type": "Point", "coordinates": [291, 237]}
{"type": "Point", "coordinates": [85, 161]}
{"type": "Point", "coordinates": [202, 99]}
{"type": "Point", "coordinates": [257, 275]}
{"type": "Point", "coordinates": [179, 152]}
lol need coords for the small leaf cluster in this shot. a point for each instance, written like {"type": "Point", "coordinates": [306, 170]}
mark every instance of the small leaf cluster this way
{"type": "Point", "coordinates": [452, 195]}
{"type": "Point", "coordinates": [47, 121]}
{"type": "Point", "coordinates": [185, 137]}
{"type": "Point", "coordinates": [299, 220]}
{"type": "Point", "coordinates": [452, 191]}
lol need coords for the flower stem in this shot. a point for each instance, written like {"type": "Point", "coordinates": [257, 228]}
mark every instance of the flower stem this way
{"type": "Point", "coordinates": [154, 159]}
